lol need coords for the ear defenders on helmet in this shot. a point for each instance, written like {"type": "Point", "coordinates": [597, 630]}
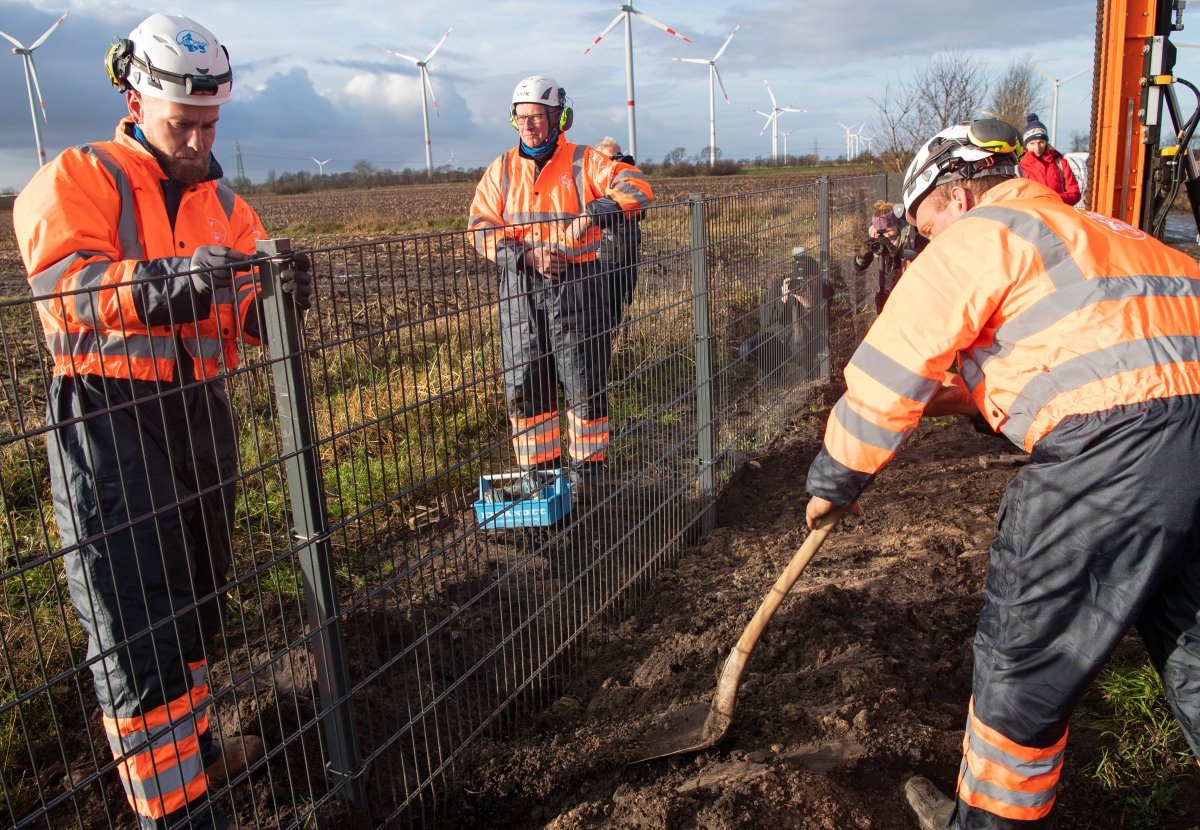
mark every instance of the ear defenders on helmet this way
{"type": "Point", "coordinates": [116, 63]}
{"type": "Point", "coordinates": [566, 117]}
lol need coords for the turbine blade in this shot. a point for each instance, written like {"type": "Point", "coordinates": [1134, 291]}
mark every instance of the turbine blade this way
{"type": "Point", "coordinates": [1076, 75]}
{"type": "Point", "coordinates": [721, 51]}
{"type": "Point", "coordinates": [792, 109]}
{"type": "Point", "coordinates": [435, 49]}
{"type": "Point", "coordinates": [408, 58]}
{"type": "Point", "coordinates": [1041, 72]}
{"type": "Point", "coordinates": [608, 29]}
{"type": "Point", "coordinates": [11, 40]}
{"type": "Point", "coordinates": [774, 104]}
{"type": "Point", "coordinates": [37, 88]}
{"type": "Point", "coordinates": [429, 86]}
{"type": "Point", "coordinates": [720, 83]}
{"type": "Point", "coordinates": [691, 60]}
{"type": "Point", "coordinates": [659, 24]}
{"type": "Point", "coordinates": [770, 119]}
{"type": "Point", "coordinates": [53, 26]}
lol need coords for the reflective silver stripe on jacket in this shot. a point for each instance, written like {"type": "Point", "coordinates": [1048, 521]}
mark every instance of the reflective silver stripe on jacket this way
{"type": "Point", "coordinates": [1097, 365]}
{"type": "Point", "coordinates": [1060, 267]}
{"type": "Point", "coordinates": [580, 183]}
{"type": "Point", "coordinates": [890, 374]}
{"type": "Point", "coordinates": [82, 343]}
{"type": "Point", "coordinates": [227, 199]}
{"type": "Point", "coordinates": [867, 432]}
{"type": "Point", "coordinates": [1055, 306]}
{"type": "Point", "coordinates": [127, 228]}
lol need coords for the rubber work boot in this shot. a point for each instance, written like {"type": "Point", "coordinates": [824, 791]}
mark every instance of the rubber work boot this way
{"type": "Point", "coordinates": [933, 809]}
{"type": "Point", "coordinates": [237, 755]}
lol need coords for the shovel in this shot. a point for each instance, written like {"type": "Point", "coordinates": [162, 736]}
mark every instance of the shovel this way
{"type": "Point", "coordinates": [701, 725]}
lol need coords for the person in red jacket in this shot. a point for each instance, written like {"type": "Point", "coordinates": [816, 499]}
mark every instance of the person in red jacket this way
{"type": "Point", "coordinates": [539, 213]}
{"type": "Point", "coordinates": [1078, 338]}
{"type": "Point", "coordinates": [137, 257]}
{"type": "Point", "coordinates": [1044, 164]}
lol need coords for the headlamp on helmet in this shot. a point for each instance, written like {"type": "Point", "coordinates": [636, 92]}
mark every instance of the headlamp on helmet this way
{"type": "Point", "coordinates": [172, 58]}
{"type": "Point", "coordinates": [961, 152]}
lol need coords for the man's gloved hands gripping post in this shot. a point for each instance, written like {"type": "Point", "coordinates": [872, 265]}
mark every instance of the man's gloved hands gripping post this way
{"type": "Point", "coordinates": [213, 268]}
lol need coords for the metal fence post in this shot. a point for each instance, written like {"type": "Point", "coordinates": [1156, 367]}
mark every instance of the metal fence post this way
{"type": "Point", "coordinates": [706, 434]}
{"type": "Point", "coordinates": [822, 320]}
{"type": "Point", "coordinates": [310, 527]}
{"type": "Point", "coordinates": [883, 184]}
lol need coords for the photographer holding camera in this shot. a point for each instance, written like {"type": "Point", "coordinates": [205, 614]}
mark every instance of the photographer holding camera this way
{"type": "Point", "coordinates": [885, 241]}
{"type": "Point", "coordinates": [790, 331]}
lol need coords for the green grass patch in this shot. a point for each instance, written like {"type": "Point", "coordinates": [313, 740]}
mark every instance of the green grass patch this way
{"type": "Point", "coordinates": [1144, 759]}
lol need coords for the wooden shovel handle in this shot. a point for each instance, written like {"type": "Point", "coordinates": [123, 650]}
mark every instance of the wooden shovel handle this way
{"type": "Point", "coordinates": [786, 581]}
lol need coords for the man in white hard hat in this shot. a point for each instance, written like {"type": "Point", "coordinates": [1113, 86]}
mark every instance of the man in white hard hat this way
{"type": "Point", "coordinates": [137, 256]}
{"type": "Point", "coordinates": [538, 213]}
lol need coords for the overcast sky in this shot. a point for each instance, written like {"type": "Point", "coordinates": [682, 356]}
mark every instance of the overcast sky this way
{"type": "Point", "coordinates": [312, 78]}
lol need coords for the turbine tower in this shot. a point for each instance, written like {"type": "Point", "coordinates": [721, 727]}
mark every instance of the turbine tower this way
{"type": "Point", "coordinates": [773, 121]}
{"type": "Point", "coordinates": [320, 165]}
{"type": "Point", "coordinates": [626, 14]}
{"type": "Point", "coordinates": [31, 81]}
{"type": "Point", "coordinates": [426, 93]}
{"type": "Point", "coordinates": [712, 93]}
{"type": "Point", "coordinates": [785, 134]}
{"type": "Point", "coordinates": [1057, 82]}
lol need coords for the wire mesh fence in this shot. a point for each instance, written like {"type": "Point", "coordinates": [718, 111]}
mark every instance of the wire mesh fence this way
{"type": "Point", "coordinates": [377, 613]}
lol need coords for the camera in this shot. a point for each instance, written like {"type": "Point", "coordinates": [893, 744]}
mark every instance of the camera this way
{"type": "Point", "coordinates": [879, 245]}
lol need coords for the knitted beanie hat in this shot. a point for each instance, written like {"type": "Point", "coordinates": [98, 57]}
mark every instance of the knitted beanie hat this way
{"type": "Point", "coordinates": [885, 221]}
{"type": "Point", "coordinates": [1034, 129]}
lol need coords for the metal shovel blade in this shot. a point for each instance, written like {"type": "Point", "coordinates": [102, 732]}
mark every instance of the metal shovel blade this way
{"type": "Point", "coordinates": [701, 725]}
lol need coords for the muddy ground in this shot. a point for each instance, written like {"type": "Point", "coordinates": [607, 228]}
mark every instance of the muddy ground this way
{"type": "Point", "coordinates": [861, 680]}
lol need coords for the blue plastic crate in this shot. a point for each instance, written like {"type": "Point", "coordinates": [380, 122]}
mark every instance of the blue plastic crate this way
{"type": "Point", "coordinates": [550, 503]}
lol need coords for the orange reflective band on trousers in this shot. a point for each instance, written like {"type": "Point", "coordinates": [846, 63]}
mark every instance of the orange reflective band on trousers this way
{"type": "Point", "coordinates": [1004, 778]}
{"type": "Point", "coordinates": [159, 753]}
{"type": "Point", "coordinates": [588, 438]}
{"type": "Point", "coordinates": [536, 440]}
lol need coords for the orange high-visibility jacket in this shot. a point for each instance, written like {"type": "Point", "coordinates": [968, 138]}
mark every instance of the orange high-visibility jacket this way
{"type": "Point", "coordinates": [1053, 313]}
{"type": "Point", "coordinates": [541, 204]}
{"type": "Point", "coordinates": [99, 249]}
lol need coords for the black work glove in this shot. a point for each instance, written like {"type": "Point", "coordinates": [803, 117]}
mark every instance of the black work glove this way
{"type": "Point", "coordinates": [214, 266]}
{"type": "Point", "coordinates": [864, 250]}
{"type": "Point", "coordinates": [296, 280]}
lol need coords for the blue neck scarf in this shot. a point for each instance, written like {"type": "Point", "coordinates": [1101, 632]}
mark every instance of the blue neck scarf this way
{"type": "Point", "coordinates": [538, 152]}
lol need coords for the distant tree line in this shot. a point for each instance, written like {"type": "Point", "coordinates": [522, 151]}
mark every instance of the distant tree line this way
{"type": "Point", "coordinates": [365, 175]}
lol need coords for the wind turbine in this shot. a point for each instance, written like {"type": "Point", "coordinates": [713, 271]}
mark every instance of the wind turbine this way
{"type": "Point", "coordinates": [31, 81]}
{"type": "Point", "coordinates": [320, 165]}
{"type": "Point", "coordinates": [626, 14]}
{"type": "Point", "coordinates": [851, 137]}
{"type": "Point", "coordinates": [773, 121]}
{"type": "Point", "coordinates": [426, 93]}
{"type": "Point", "coordinates": [1057, 82]}
{"type": "Point", "coordinates": [785, 134]}
{"type": "Point", "coordinates": [712, 93]}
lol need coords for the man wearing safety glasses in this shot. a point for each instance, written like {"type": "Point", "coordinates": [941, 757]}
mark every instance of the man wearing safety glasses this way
{"type": "Point", "coordinates": [1079, 340]}
{"type": "Point", "coordinates": [539, 213]}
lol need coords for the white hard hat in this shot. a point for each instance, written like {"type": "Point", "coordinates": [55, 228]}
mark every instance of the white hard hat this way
{"type": "Point", "coordinates": [961, 152]}
{"type": "Point", "coordinates": [173, 58]}
{"type": "Point", "coordinates": [539, 89]}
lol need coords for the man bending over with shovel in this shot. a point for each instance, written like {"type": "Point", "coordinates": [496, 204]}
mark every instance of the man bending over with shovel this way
{"type": "Point", "coordinates": [1079, 338]}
